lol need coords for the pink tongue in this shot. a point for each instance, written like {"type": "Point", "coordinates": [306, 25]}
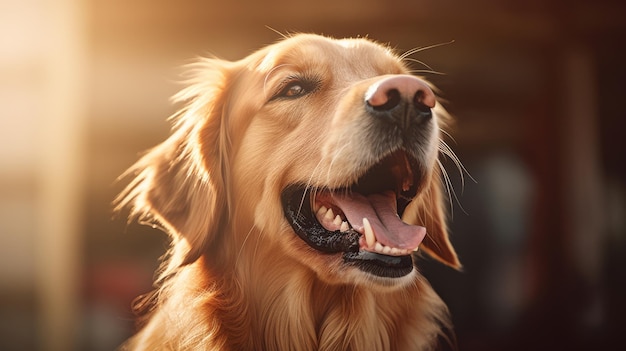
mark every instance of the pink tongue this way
{"type": "Point", "coordinates": [381, 211]}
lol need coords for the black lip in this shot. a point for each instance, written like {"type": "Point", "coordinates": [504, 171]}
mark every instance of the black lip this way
{"type": "Point", "coordinates": [380, 265]}
{"type": "Point", "coordinates": [297, 209]}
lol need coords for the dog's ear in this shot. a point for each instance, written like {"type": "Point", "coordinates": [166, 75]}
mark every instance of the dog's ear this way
{"type": "Point", "coordinates": [428, 210]}
{"type": "Point", "coordinates": [180, 183]}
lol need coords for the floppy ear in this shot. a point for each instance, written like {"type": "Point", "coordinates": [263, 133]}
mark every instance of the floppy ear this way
{"type": "Point", "coordinates": [428, 210]}
{"type": "Point", "coordinates": [180, 183]}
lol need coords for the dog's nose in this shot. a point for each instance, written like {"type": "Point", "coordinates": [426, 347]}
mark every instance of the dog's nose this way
{"type": "Point", "coordinates": [404, 98]}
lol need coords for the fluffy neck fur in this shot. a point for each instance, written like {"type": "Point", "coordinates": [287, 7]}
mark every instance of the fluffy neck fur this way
{"type": "Point", "coordinates": [281, 305]}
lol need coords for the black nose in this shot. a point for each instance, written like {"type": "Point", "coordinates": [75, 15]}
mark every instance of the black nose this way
{"type": "Point", "coordinates": [403, 99]}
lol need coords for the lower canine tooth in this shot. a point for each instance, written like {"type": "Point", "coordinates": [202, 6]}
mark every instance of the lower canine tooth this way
{"type": "Point", "coordinates": [370, 239]}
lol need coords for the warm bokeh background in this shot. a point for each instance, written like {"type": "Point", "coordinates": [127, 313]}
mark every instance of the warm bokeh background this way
{"type": "Point", "coordinates": [536, 87]}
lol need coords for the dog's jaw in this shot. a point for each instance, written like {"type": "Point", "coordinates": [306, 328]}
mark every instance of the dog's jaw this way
{"type": "Point", "coordinates": [362, 221]}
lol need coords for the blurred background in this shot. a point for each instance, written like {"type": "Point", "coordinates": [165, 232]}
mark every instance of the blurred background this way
{"type": "Point", "coordinates": [536, 88]}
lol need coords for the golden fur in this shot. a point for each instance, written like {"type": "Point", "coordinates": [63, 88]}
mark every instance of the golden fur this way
{"type": "Point", "coordinates": [237, 277]}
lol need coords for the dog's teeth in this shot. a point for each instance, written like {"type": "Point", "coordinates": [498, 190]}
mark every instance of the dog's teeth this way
{"type": "Point", "coordinates": [387, 250]}
{"type": "Point", "coordinates": [337, 220]}
{"type": "Point", "coordinates": [329, 215]}
{"type": "Point", "coordinates": [370, 239]}
{"type": "Point", "coordinates": [344, 226]}
{"type": "Point", "coordinates": [322, 211]}
{"type": "Point", "coordinates": [378, 247]}
{"type": "Point", "coordinates": [416, 249]}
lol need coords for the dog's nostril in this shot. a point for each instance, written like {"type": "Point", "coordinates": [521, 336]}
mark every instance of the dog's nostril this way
{"type": "Point", "coordinates": [393, 98]}
{"type": "Point", "coordinates": [421, 107]}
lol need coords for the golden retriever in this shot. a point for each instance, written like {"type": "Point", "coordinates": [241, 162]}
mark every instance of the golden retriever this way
{"type": "Point", "coordinates": [297, 185]}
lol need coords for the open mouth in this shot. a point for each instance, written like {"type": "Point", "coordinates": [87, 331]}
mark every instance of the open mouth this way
{"type": "Point", "coordinates": [362, 221]}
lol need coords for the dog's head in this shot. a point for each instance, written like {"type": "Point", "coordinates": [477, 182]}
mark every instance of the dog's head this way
{"type": "Point", "coordinates": [323, 149]}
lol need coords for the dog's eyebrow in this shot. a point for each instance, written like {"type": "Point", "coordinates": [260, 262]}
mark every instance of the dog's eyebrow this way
{"type": "Point", "coordinates": [267, 77]}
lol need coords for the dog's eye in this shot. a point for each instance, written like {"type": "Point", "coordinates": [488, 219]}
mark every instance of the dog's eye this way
{"type": "Point", "coordinates": [292, 90]}
{"type": "Point", "coordinates": [295, 88]}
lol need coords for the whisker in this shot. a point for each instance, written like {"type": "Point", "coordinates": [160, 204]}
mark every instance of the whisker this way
{"type": "Point", "coordinates": [425, 71]}
{"type": "Point", "coordinates": [284, 36]}
{"type": "Point", "coordinates": [448, 185]}
{"type": "Point", "coordinates": [447, 151]}
{"type": "Point", "coordinates": [453, 192]}
{"type": "Point", "coordinates": [448, 135]}
{"type": "Point", "coordinates": [423, 48]}
{"type": "Point", "coordinates": [430, 69]}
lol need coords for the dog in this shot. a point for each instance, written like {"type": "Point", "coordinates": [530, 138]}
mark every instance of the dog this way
{"type": "Point", "coordinates": [299, 187]}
